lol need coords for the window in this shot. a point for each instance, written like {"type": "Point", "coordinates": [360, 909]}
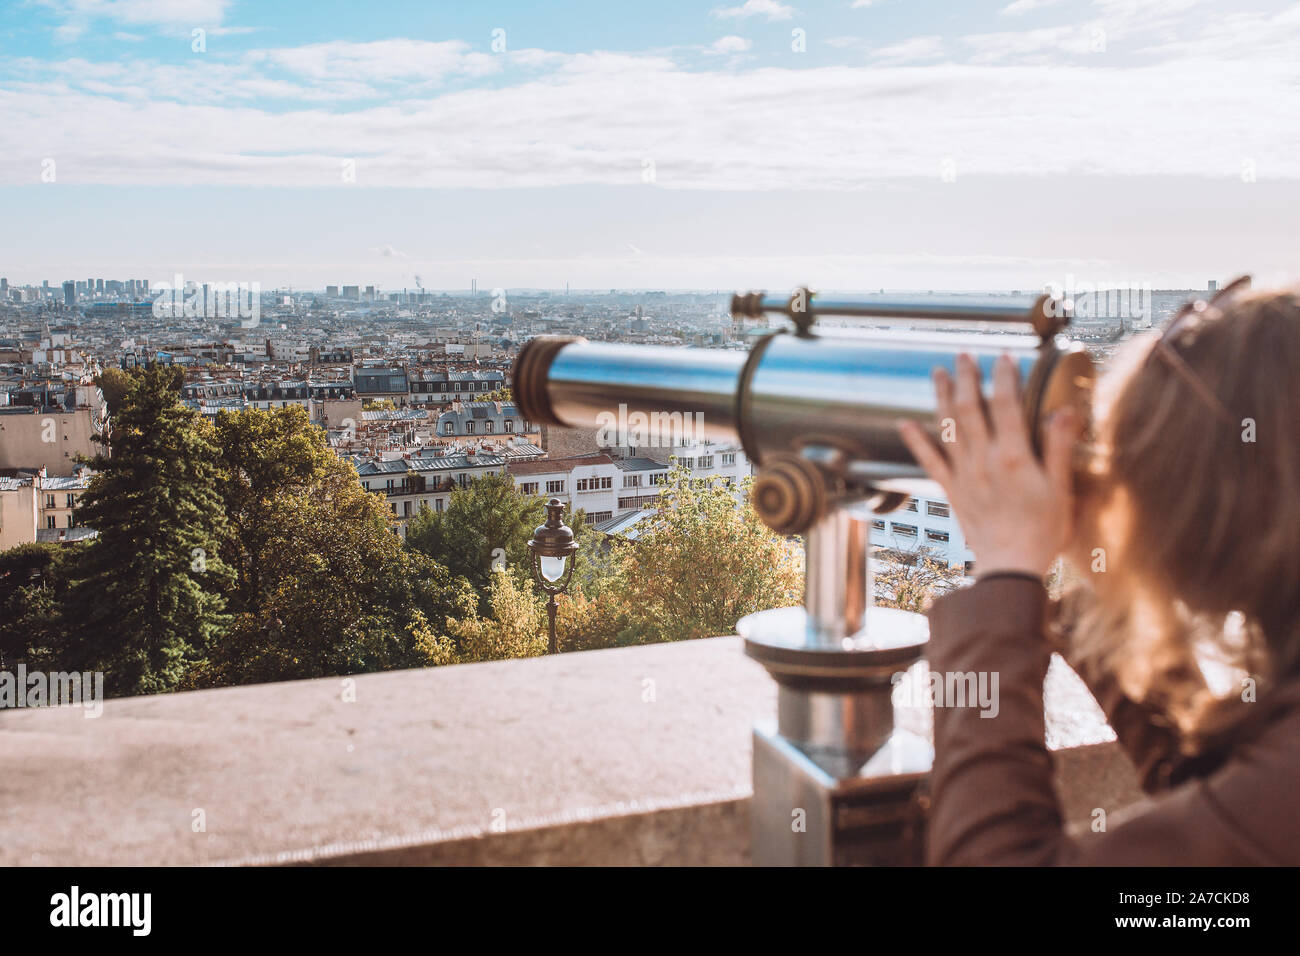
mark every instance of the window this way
{"type": "Point", "coordinates": [437, 504]}
{"type": "Point", "coordinates": [910, 506]}
{"type": "Point", "coordinates": [555, 487]}
{"type": "Point", "coordinates": [688, 463]}
{"type": "Point", "coordinates": [469, 430]}
{"type": "Point", "coordinates": [49, 521]}
{"type": "Point", "coordinates": [598, 516]}
{"type": "Point", "coordinates": [584, 484]}
{"type": "Point", "coordinates": [878, 524]}
{"type": "Point", "coordinates": [458, 386]}
{"type": "Point", "coordinates": [659, 478]}
{"type": "Point", "coordinates": [905, 529]}
{"type": "Point", "coordinates": [936, 535]}
{"type": "Point", "coordinates": [706, 461]}
{"type": "Point", "coordinates": [487, 428]}
{"type": "Point", "coordinates": [631, 481]}
{"type": "Point", "coordinates": [607, 483]}
{"type": "Point", "coordinates": [446, 429]}
{"type": "Point", "coordinates": [510, 424]}
{"type": "Point", "coordinates": [938, 509]}
{"type": "Point", "coordinates": [72, 501]}
{"type": "Point", "coordinates": [528, 488]}
{"type": "Point", "coordinates": [49, 501]}
{"type": "Point", "coordinates": [728, 458]}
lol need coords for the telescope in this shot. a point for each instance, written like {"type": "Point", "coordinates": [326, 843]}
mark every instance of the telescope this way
{"type": "Point", "coordinates": [816, 410]}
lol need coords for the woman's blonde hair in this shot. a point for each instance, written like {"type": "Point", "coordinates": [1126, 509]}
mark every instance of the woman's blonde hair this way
{"type": "Point", "coordinates": [1194, 499]}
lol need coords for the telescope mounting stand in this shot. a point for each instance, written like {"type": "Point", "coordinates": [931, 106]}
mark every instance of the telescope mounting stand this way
{"type": "Point", "coordinates": [836, 782]}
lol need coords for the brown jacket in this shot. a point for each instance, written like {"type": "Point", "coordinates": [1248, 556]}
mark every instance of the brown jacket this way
{"type": "Point", "coordinates": [992, 792]}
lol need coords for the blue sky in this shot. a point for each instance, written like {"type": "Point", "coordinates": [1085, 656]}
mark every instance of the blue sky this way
{"type": "Point", "coordinates": [897, 143]}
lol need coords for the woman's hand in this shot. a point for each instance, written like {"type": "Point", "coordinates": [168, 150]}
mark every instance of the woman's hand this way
{"type": "Point", "coordinates": [1017, 513]}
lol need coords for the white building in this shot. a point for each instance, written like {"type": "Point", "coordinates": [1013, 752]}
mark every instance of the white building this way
{"type": "Point", "coordinates": [583, 482]}
{"type": "Point", "coordinates": [924, 523]}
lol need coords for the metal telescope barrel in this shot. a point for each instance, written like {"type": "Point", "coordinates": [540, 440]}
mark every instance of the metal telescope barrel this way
{"type": "Point", "coordinates": [806, 407]}
{"type": "Point", "coordinates": [945, 308]}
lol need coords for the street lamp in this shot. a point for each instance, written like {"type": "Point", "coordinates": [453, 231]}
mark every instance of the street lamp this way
{"type": "Point", "coordinates": [554, 555]}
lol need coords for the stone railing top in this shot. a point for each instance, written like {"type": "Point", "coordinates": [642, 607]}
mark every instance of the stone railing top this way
{"type": "Point", "coordinates": [295, 772]}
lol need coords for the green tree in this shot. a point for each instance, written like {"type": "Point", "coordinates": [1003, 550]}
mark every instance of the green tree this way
{"type": "Point", "coordinates": [912, 580]}
{"type": "Point", "coordinates": [115, 384]}
{"type": "Point", "coordinates": [148, 595]}
{"type": "Point", "coordinates": [486, 523]}
{"type": "Point", "coordinates": [325, 586]}
{"type": "Point", "coordinates": [704, 560]}
{"type": "Point", "coordinates": [515, 625]}
{"type": "Point", "coordinates": [269, 459]}
{"type": "Point", "coordinates": [34, 582]}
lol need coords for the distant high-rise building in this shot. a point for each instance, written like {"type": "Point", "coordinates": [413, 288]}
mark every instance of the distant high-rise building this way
{"type": "Point", "coordinates": [1214, 285]}
{"type": "Point", "coordinates": [352, 292]}
{"type": "Point", "coordinates": [4, 284]}
{"type": "Point", "coordinates": [370, 293]}
{"type": "Point", "coordinates": [69, 293]}
{"type": "Point", "coordinates": [332, 291]}
{"type": "Point", "coordinates": [99, 286]}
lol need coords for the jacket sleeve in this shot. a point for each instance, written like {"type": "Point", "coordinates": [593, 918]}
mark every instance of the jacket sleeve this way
{"type": "Point", "coordinates": [993, 799]}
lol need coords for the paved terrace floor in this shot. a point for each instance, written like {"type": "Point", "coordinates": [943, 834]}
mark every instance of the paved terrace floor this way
{"type": "Point", "coordinates": [626, 756]}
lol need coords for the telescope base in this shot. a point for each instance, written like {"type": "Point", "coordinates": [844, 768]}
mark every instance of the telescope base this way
{"type": "Point", "coordinates": [836, 783]}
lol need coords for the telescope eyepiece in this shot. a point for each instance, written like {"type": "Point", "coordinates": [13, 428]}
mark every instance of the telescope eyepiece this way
{"type": "Point", "coordinates": [529, 378]}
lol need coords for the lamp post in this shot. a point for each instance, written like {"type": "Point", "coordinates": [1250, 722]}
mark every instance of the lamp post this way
{"type": "Point", "coordinates": [554, 555]}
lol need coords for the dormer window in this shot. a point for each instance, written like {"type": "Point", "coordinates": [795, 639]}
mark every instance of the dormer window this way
{"type": "Point", "coordinates": [469, 428]}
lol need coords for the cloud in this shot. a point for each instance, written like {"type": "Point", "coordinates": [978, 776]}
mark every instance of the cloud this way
{"type": "Point", "coordinates": [730, 44]}
{"type": "Point", "coordinates": [770, 9]}
{"type": "Point", "coordinates": [156, 13]}
{"type": "Point", "coordinates": [417, 114]}
{"type": "Point", "coordinates": [1018, 7]}
{"type": "Point", "coordinates": [380, 61]}
{"type": "Point", "coordinates": [917, 48]}
{"type": "Point", "coordinates": [388, 252]}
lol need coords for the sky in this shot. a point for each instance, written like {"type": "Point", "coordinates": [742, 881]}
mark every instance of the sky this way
{"type": "Point", "coordinates": [842, 144]}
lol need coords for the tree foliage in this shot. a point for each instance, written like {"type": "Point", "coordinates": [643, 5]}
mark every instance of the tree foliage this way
{"type": "Point", "coordinates": [485, 524]}
{"type": "Point", "coordinates": [149, 589]}
{"type": "Point", "coordinates": [912, 580]}
{"type": "Point", "coordinates": [704, 560]}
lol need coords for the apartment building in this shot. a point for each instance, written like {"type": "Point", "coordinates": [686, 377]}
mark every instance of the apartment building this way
{"type": "Point", "coordinates": [19, 514]}
{"type": "Point", "coordinates": [427, 479]}
{"type": "Point", "coordinates": [605, 486]}
{"type": "Point", "coordinates": [479, 419]}
{"type": "Point", "coordinates": [41, 507]}
{"type": "Point", "coordinates": [58, 496]}
{"type": "Point", "coordinates": [583, 482]}
{"type": "Point", "coordinates": [51, 436]}
{"type": "Point", "coordinates": [427, 387]}
{"type": "Point", "coordinates": [924, 523]}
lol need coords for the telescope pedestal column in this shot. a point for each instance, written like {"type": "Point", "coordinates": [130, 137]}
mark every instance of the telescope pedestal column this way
{"type": "Point", "coordinates": [835, 781]}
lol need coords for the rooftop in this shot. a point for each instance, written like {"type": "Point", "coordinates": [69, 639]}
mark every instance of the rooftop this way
{"type": "Point", "coordinates": [545, 466]}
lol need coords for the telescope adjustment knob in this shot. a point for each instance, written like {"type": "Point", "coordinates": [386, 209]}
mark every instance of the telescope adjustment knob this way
{"type": "Point", "coordinates": [789, 493]}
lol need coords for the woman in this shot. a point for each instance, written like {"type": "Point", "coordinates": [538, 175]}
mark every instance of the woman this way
{"type": "Point", "coordinates": [1184, 526]}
